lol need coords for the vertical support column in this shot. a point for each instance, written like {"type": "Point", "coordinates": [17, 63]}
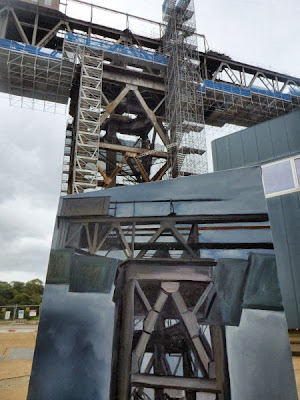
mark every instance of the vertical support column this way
{"type": "Point", "coordinates": [220, 361]}
{"type": "Point", "coordinates": [154, 324]}
{"type": "Point", "coordinates": [3, 23]}
{"type": "Point", "coordinates": [124, 370]}
{"type": "Point", "coordinates": [36, 23]}
{"type": "Point", "coordinates": [86, 151]}
{"type": "Point", "coordinates": [184, 101]}
{"type": "Point", "coordinates": [111, 156]}
{"type": "Point", "coordinates": [158, 355]}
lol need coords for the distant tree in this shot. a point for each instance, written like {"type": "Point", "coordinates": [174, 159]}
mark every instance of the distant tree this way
{"type": "Point", "coordinates": [29, 293]}
{"type": "Point", "coordinates": [34, 289]}
{"type": "Point", "coordinates": [18, 286]}
{"type": "Point", "coordinates": [22, 299]}
{"type": "Point", "coordinates": [6, 293]}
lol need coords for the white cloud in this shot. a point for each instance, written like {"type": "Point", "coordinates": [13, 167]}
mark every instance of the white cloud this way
{"type": "Point", "coordinates": [30, 164]}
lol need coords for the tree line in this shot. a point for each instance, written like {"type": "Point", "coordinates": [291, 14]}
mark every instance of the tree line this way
{"type": "Point", "coordinates": [29, 293]}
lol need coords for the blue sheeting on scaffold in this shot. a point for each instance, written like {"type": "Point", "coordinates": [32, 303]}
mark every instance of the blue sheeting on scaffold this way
{"type": "Point", "coordinates": [28, 49]}
{"type": "Point", "coordinates": [239, 91]}
{"type": "Point", "coordinates": [224, 87]}
{"type": "Point", "coordinates": [270, 93]}
{"type": "Point", "coordinates": [142, 55]}
{"type": "Point", "coordinates": [295, 92]}
{"type": "Point", "coordinates": [117, 48]}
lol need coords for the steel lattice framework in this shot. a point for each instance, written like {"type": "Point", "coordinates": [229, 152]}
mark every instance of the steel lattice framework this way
{"type": "Point", "coordinates": [184, 103]}
{"type": "Point", "coordinates": [86, 144]}
{"type": "Point", "coordinates": [156, 90]}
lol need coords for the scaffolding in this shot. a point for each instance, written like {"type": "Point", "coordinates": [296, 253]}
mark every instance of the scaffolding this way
{"type": "Point", "coordinates": [84, 160]}
{"type": "Point", "coordinates": [148, 130]}
{"type": "Point", "coordinates": [184, 100]}
{"type": "Point", "coordinates": [35, 78]}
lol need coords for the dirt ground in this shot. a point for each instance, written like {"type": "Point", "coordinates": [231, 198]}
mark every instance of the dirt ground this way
{"type": "Point", "coordinates": [296, 362]}
{"type": "Point", "coordinates": [14, 374]}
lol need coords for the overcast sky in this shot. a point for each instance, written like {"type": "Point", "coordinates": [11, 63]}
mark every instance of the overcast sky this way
{"type": "Point", "coordinates": [264, 33]}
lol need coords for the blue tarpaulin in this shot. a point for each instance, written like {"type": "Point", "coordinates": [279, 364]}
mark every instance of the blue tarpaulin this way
{"type": "Point", "coordinates": [117, 48]}
{"type": "Point", "coordinates": [142, 55]}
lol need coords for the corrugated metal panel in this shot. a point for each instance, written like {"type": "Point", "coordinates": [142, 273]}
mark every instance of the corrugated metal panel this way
{"type": "Point", "coordinates": [291, 213]}
{"type": "Point", "coordinates": [236, 150]}
{"type": "Point", "coordinates": [250, 146]}
{"type": "Point", "coordinates": [214, 156]}
{"type": "Point", "coordinates": [279, 138]}
{"type": "Point", "coordinates": [267, 142]}
{"type": "Point", "coordinates": [283, 259]}
{"type": "Point", "coordinates": [264, 142]}
{"type": "Point", "coordinates": [224, 154]}
{"type": "Point", "coordinates": [292, 125]}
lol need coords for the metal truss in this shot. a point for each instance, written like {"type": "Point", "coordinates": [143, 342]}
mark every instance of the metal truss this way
{"type": "Point", "coordinates": [66, 167]}
{"type": "Point", "coordinates": [164, 349]}
{"type": "Point", "coordinates": [86, 146]}
{"type": "Point", "coordinates": [123, 161]}
{"type": "Point", "coordinates": [143, 238]}
{"type": "Point", "coordinates": [184, 103]}
{"type": "Point", "coordinates": [164, 346]}
{"type": "Point", "coordinates": [136, 104]}
{"type": "Point", "coordinates": [34, 81]}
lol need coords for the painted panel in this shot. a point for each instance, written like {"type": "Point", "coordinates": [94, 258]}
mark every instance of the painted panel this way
{"type": "Point", "coordinates": [73, 350]}
{"type": "Point", "coordinates": [72, 358]}
{"type": "Point", "coordinates": [262, 288]}
{"type": "Point", "coordinates": [258, 377]}
{"type": "Point", "coordinates": [229, 276]}
{"type": "Point", "coordinates": [170, 298]}
{"type": "Point", "coordinates": [240, 186]}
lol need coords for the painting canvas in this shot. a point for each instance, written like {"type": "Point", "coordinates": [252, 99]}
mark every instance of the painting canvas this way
{"type": "Point", "coordinates": [164, 290]}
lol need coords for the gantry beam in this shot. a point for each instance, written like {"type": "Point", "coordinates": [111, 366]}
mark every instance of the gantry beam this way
{"type": "Point", "coordinates": [133, 93]}
{"type": "Point", "coordinates": [50, 20]}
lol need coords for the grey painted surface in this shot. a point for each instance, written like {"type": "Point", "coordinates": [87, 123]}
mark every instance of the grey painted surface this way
{"type": "Point", "coordinates": [262, 288]}
{"type": "Point", "coordinates": [73, 351]}
{"type": "Point", "coordinates": [233, 192]}
{"type": "Point", "coordinates": [239, 191]}
{"type": "Point", "coordinates": [92, 274]}
{"type": "Point", "coordinates": [229, 279]}
{"type": "Point", "coordinates": [263, 143]}
{"type": "Point", "coordinates": [260, 363]}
